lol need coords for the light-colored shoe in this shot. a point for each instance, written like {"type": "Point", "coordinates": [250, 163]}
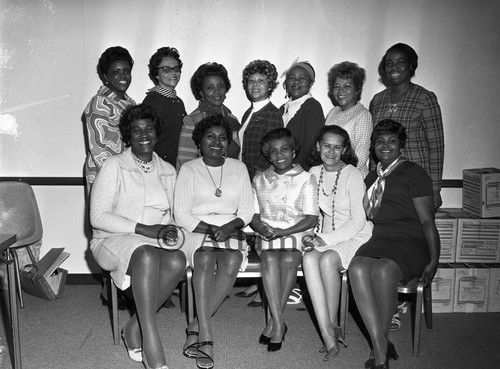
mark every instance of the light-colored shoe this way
{"type": "Point", "coordinates": [134, 354]}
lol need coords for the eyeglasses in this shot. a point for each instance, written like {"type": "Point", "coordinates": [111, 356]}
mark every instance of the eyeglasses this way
{"type": "Point", "coordinates": [167, 69]}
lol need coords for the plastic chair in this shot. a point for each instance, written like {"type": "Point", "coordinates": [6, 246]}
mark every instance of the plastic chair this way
{"type": "Point", "coordinates": [19, 215]}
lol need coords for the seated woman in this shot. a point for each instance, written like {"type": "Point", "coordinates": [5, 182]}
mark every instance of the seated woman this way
{"type": "Point", "coordinates": [287, 210]}
{"type": "Point", "coordinates": [130, 209]}
{"type": "Point", "coordinates": [213, 202]}
{"type": "Point", "coordinates": [209, 85]}
{"type": "Point", "coordinates": [405, 242]}
{"type": "Point", "coordinates": [343, 228]}
{"type": "Point", "coordinates": [345, 84]}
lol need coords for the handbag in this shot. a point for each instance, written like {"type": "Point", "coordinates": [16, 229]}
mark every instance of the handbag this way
{"type": "Point", "coordinates": [45, 279]}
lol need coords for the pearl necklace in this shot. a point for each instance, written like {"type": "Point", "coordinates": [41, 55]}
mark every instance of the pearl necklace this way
{"type": "Point", "coordinates": [144, 166]}
{"type": "Point", "coordinates": [218, 191]}
{"type": "Point", "coordinates": [334, 192]}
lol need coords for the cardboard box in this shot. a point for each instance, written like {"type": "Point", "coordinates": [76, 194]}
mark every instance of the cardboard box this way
{"type": "Point", "coordinates": [443, 289]}
{"type": "Point", "coordinates": [447, 225]}
{"type": "Point", "coordinates": [478, 240]}
{"type": "Point", "coordinates": [481, 192]}
{"type": "Point", "coordinates": [471, 288]}
{"type": "Point", "coordinates": [494, 288]}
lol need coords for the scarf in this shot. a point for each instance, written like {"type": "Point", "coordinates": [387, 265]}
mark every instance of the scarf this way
{"type": "Point", "coordinates": [292, 107]}
{"type": "Point", "coordinates": [373, 196]}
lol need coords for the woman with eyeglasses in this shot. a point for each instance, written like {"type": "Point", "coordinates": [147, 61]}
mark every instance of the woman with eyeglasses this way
{"type": "Point", "coordinates": [165, 68]}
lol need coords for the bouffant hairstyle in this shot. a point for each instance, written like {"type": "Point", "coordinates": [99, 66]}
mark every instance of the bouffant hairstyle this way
{"type": "Point", "coordinates": [109, 56]}
{"type": "Point", "coordinates": [156, 59]}
{"type": "Point", "coordinates": [137, 112]}
{"type": "Point", "coordinates": [277, 134]}
{"type": "Point", "coordinates": [348, 157]}
{"type": "Point", "coordinates": [388, 126]}
{"type": "Point", "coordinates": [203, 125]}
{"type": "Point", "coordinates": [346, 70]}
{"type": "Point", "coordinates": [205, 70]}
{"type": "Point", "coordinates": [261, 67]}
{"type": "Point", "coordinates": [410, 55]}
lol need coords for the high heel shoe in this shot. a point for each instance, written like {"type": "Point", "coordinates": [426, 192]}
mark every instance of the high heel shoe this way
{"type": "Point", "coordinates": [335, 349]}
{"type": "Point", "coordinates": [194, 345]}
{"type": "Point", "coordinates": [276, 346]}
{"type": "Point", "coordinates": [134, 354]}
{"type": "Point", "coordinates": [204, 355]}
{"type": "Point", "coordinates": [391, 354]}
{"type": "Point", "coordinates": [146, 365]}
{"type": "Point", "coordinates": [264, 340]}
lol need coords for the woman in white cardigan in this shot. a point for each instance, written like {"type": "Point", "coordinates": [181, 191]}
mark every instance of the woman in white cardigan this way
{"type": "Point", "coordinates": [341, 231]}
{"type": "Point", "coordinates": [133, 232]}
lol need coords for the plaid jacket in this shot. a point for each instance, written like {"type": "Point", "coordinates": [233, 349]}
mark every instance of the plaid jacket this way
{"type": "Point", "coordinates": [261, 122]}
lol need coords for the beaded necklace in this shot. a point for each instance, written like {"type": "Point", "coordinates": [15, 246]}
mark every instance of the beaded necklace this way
{"type": "Point", "coordinates": [144, 166]}
{"type": "Point", "coordinates": [333, 192]}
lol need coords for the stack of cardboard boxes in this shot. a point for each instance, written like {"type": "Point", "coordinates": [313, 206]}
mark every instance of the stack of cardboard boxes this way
{"type": "Point", "coordinates": [468, 279]}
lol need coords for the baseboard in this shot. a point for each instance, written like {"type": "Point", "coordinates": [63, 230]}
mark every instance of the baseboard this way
{"type": "Point", "coordinates": [95, 278]}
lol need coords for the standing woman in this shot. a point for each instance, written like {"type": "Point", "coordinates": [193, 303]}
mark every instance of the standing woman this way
{"type": "Point", "coordinates": [131, 206]}
{"type": "Point", "coordinates": [259, 81]}
{"type": "Point", "coordinates": [213, 202]}
{"type": "Point", "coordinates": [345, 84]}
{"type": "Point", "coordinates": [405, 242]}
{"type": "Point", "coordinates": [343, 229]}
{"type": "Point", "coordinates": [416, 108]}
{"type": "Point", "coordinates": [102, 133]}
{"type": "Point", "coordinates": [165, 68]}
{"type": "Point", "coordinates": [287, 210]}
{"type": "Point", "coordinates": [302, 113]}
{"type": "Point", "coordinates": [209, 85]}
{"type": "Point", "coordinates": [103, 112]}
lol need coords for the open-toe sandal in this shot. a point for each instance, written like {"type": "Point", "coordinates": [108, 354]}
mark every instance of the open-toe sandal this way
{"type": "Point", "coordinates": [191, 350]}
{"type": "Point", "coordinates": [202, 355]}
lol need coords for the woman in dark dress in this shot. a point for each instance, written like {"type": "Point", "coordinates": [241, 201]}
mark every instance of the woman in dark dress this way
{"type": "Point", "coordinates": [405, 242]}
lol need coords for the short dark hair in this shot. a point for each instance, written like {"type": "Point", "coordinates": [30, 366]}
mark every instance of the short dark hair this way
{"type": "Point", "coordinates": [348, 157]}
{"type": "Point", "coordinates": [262, 67]}
{"type": "Point", "coordinates": [205, 70]}
{"type": "Point", "coordinates": [410, 55]}
{"type": "Point", "coordinates": [137, 112]}
{"type": "Point", "coordinates": [109, 56]}
{"type": "Point", "coordinates": [217, 120]}
{"type": "Point", "coordinates": [388, 126]}
{"type": "Point", "coordinates": [346, 70]}
{"type": "Point", "coordinates": [156, 59]}
{"type": "Point", "coordinates": [276, 134]}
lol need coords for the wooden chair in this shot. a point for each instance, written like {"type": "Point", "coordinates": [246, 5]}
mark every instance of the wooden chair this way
{"type": "Point", "coordinates": [423, 297]}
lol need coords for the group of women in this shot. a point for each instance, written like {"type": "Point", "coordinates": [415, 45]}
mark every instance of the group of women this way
{"type": "Point", "coordinates": [296, 180]}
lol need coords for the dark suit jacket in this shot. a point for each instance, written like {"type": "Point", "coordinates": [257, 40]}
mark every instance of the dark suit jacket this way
{"type": "Point", "coordinates": [304, 126]}
{"type": "Point", "coordinates": [265, 120]}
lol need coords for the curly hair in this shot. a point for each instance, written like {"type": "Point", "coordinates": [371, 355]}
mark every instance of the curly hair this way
{"type": "Point", "coordinates": [261, 67]}
{"type": "Point", "coordinates": [346, 70]}
{"type": "Point", "coordinates": [203, 125]}
{"type": "Point", "coordinates": [388, 126]}
{"type": "Point", "coordinates": [137, 112]}
{"type": "Point", "coordinates": [277, 134]}
{"type": "Point", "coordinates": [205, 70]}
{"type": "Point", "coordinates": [109, 56]}
{"type": "Point", "coordinates": [156, 59]}
{"type": "Point", "coordinates": [348, 157]}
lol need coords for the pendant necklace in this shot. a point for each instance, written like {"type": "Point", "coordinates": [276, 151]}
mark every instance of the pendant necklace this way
{"type": "Point", "coordinates": [218, 191]}
{"type": "Point", "coordinates": [333, 192]}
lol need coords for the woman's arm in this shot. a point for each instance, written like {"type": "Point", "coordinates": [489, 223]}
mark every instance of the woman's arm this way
{"type": "Point", "coordinates": [424, 207]}
{"type": "Point", "coordinates": [362, 133]}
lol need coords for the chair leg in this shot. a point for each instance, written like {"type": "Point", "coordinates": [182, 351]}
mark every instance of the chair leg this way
{"type": "Point", "coordinates": [182, 296]}
{"type": "Point", "coordinates": [418, 316]}
{"type": "Point", "coordinates": [18, 278]}
{"type": "Point", "coordinates": [344, 304]}
{"type": "Point", "coordinates": [190, 294]}
{"type": "Point", "coordinates": [114, 312]}
{"type": "Point", "coordinates": [428, 306]}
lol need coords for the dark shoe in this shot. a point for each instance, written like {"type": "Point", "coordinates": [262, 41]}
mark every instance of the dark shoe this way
{"type": "Point", "coordinates": [193, 346]}
{"type": "Point", "coordinates": [203, 355]}
{"type": "Point", "coordinates": [244, 294]}
{"type": "Point", "coordinates": [264, 340]}
{"type": "Point", "coordinates": [254, 304]}
{"type": "Point", "coordinates": [122, 304]}
{"type": "Point", "coordinates": [391, 354]}
{"type": "Point", "coordinates": [276, 346]}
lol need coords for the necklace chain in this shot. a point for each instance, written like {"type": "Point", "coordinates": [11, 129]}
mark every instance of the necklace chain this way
{"type": "Point", "coordinates": [218, 191]}
{"type": "Point", "coordinates": [144, 166]}
{"type": "Point", "coordinates": [333, 192]}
